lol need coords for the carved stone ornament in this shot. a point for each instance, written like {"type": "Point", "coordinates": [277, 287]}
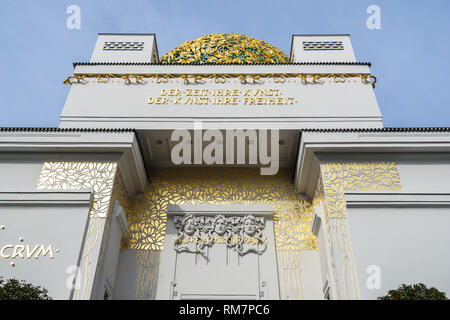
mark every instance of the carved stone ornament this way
{"type": "Point", "coordinates": [242, 234]}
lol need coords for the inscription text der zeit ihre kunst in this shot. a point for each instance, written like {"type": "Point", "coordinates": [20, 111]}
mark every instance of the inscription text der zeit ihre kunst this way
{"type": "Point", "coordinates": [221, 97]}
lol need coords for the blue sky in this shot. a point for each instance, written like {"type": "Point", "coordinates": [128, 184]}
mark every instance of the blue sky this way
{"type": "Point", "coordinates": [409, 54]}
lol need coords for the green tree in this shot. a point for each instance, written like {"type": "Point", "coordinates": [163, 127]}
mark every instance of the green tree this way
{"type": "Point", "coordinates": [417, 291]}
{"type": "Point", "coordinates": [13, 289]}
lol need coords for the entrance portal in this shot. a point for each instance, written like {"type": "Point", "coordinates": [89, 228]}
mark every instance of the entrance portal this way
{"type": "Point", "coordinates": [218, 252]}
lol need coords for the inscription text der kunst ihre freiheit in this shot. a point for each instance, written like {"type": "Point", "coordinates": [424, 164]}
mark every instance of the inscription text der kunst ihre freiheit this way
{"type": "Point", "coordinates": [221, 97]}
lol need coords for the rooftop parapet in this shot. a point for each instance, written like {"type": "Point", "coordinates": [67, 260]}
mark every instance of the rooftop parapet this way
{"type": "Point", "coordinates": [322, 48]}
{"type": "Point", "coordinates": [111, 47]}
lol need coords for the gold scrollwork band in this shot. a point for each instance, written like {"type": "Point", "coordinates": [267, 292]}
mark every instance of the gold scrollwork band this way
{"type": "Point", "coordinates": [221, 78]}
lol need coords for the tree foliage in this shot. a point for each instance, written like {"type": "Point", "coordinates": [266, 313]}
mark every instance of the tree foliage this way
{"type": "Point", "coordinates": [13, 289]}
{"type": "Point", "coordinates": [417, 291]}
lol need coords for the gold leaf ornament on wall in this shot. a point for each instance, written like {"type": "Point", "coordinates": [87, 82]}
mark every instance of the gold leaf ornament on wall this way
{"type": "Point", "coordinates": [337, 178]}
{"type": "Point", "coordinates": [147, 217]}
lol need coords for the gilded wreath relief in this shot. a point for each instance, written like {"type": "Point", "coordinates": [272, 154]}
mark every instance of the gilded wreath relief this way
{"type": "Point", "coordinates": [242, 234]}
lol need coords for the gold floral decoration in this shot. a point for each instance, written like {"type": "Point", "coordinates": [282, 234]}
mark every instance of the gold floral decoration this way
{"type": "Point", "coordinates": [290, 269]}
{"type": "Point", "coordinates": [147, 272]}
{"type": "Point", "coordinates": [100, 178]}
{"type": "Point", "coordinates": [336, 178]}
{"type": "Point", "coordinates": [147, 216]}
{"type": "Point", "coordinates": [306, 78]}
{"type": "Point", "coordinates": [225, 48]}
{"type": "Point", "coordinates": [364, 176]}
{"type": "Point", "coordinates": [96, 176]}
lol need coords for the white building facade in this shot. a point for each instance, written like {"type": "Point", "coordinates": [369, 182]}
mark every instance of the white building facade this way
{"type": "Point", "coordinates": [99, 209]}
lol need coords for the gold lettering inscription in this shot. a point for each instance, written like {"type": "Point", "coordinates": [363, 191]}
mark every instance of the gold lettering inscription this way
{"type": "Point", "coordinates": [247, 97]}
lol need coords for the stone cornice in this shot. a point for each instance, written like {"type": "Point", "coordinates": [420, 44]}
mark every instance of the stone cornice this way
{"type": "Point", "coordinates": [397, 200]}
{"type": "Point", "coordinates": [53, 198]}
{"type": "Point", "coordinates": [62, 130]}
{"type": "Point", "coordinates": [88, 142]}
{"type": "Point", "coordinates": [351, 144]}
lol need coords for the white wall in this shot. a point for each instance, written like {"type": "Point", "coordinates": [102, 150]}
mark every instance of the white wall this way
{"type": "Point", "coordinates": [429, 176]}
{"type": "Point", "coordinates": [111, 256]}
{"type": "Point", "coordinates": [410, 245]}
{"type": "Point", "coordinates": [326, 103]}
{"type": "Point", "coordinates": [19, 175]}
{"type": "Point", "coordinates": [56, 219]}
{"type": "Point", "coordinates": [312, 282]}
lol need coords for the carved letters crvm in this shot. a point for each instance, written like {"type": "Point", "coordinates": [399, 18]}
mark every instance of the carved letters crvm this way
{"type": "Point", "coordinates": [243, 234]}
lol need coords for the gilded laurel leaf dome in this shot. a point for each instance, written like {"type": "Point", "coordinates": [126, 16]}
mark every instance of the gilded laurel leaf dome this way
{"type": "Point", "coordinates": [225, 48]}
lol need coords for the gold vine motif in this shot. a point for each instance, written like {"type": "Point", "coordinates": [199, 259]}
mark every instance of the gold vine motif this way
{"type": "Point", "coordinates": [146, 274]}
{"type": "Point", "coordinates": [364, 176]}
{"type": "Point", "coordinates": [100, 177]}
{"type": "Point", "coordinates": [147, 217]}
{"type": "Point", "coordinates": [307, 78]}
{"type": "Point", "coordinates": [96, 176]}
{"type": "Point", "coordinates": [336, 178]}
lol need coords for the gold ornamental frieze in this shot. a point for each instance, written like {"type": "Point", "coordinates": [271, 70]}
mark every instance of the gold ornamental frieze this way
{"type": "Point", "coordinates": [248, 78]}
{"type": "Point", "coordinates": [147, 217]}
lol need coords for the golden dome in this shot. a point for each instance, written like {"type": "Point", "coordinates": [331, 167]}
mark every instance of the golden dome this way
{"type": "Point", "coordinates": [225, 48]}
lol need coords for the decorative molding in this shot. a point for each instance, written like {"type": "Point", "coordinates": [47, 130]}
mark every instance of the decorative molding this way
{"type": "Point", "coordinates": [396, 199]}
{"type": "Point", "coordinates": [317, 130]}
{"type": "Point", "coordinates": [64, 130]}
{"type": "Point", "coordinates": [132, 169]}
{"type": "Point", "coordinates": [42, 198]}
{"type": "Point", "coordinates": [330, 63]}
{"type": "Point", "coordinates": [226, 210]}
{"type": "Point", "coordinates": [379, 130]}
{"type": "Point", "coordinates": [307, 78]}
